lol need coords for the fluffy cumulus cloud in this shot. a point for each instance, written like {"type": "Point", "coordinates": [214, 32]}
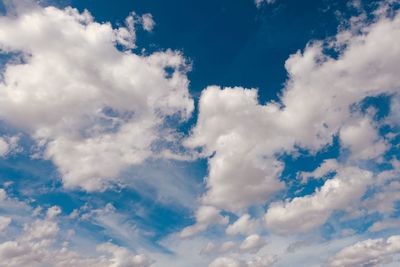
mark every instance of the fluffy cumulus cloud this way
{"type": "Point", "coordinates": [322, 98]}
{"type": "Point", "coordinates": [243, 225]}
{"type": "Point", "coordinates": [205, 216]}
{"type": "Point", "coordinates": [371, 252]}
{"type": "Point", "coordinates": [93, 106]}
{"type": "Point", "coordinates": [355, 135]}
{"type": "Point", "coordinates": [304, 213]}
{"type": "Point", "coordinates": [239, 175]}
{"type": "Point", "coordinates": [123, 257]}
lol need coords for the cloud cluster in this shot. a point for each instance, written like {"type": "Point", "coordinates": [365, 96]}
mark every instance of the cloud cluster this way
{"type": "Point", "coordinates": [92, 105]}
{"type": "Point", "coordinates": [371, 252]}
{"type": "Point", "coordinates": [95, 107]}
{"type": "Point", "coordinates": [205, 216]}
{"type": "Point", "coordinates": [322, 98]}
{"type": "Point", "coordinates": [40, 243]}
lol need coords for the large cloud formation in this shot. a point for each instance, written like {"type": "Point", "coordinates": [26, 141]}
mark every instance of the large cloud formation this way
{"type": "Point", "coordinates": [93, 105]}
{"type": "Point", "coordinates": [325, 98]}
{"type": "Point", "coordinates": [321, 99]}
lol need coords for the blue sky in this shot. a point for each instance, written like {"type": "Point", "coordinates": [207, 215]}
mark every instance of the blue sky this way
{"type": "Point", "coordinates": [199, 133]}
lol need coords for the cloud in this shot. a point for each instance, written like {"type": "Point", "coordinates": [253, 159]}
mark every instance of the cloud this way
{"type": "Point", "coordinates": [8, 145]}
{"type": "Point", "coordinates": [363, 140]}
{"type": "Point", "coordinates": [3, 147]}
{"type": "Point", "coordinates": [371, 252]}
{"type": "Point", "coordinates": [260, 2]}
{"type": "Point", "coordinates": [94, 106]}
{"type": "Point", "coordinates": [385, 224]}
{"type": "Point", "coordinates": [238, 175]}
{"type": "Point", "coordinates": [263, 261]}
{"type": "Point", "coordinates": [148, 22]}
{"type": "Point", "coordinates": [243, 225]}
{"type": "Point", "coordinates": [252, 244]}
{"type": "Point", "coordinates": [305, 213]}
{"type": "Point", "coordinates": [4, 222]}
{"type": "Point", "coordinates": [226, 262]}
{"type": "Point", "coordinates": [321, 99]}
{"type": "Point", "coordinates": [205, 216]}
{"type": "Point", "coordinates": [123, 257]}
{"type": "Point", "coordinates": [38, 244]}
{"type": "Point", "coordinates": [328, 166]}
{"type": "Point", "coordinates": [53, 212]}
{"type": "Point", "coordinates": [3, 194]}
{"type": "Point", "coordinates": [228, 246]}
{"type": "Point", "coordinates": [383, 201]}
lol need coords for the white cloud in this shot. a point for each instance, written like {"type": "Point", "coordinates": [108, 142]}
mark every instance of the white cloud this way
{"type": "Point", "coordinates": [94, 110]}
{"type": "Point", "coordinates": [260, 2]}
{"type": "Point", "coordinates": [243, 225]}
{"type": "Point", "coordinates": [226, 262]}
{"type": "Point", "coordinates": [238, 174]}
{"type": "Point", "coordinates": [123, 257]}
{"type": "Point", "coordinates": [95, 116]}
{"type": "Point", "coordinates": [38, 246]}
{"type": "Point", "coordinates": [228, 246]}
{"type": "Point", "coordinates": [385, 224]}
{"type": "Point", "coordinates": [8, 145]}
{"type": "Point", "coordinates": [53, 212]}
{"type": "Point", "coordinates": [383, 201]}
{"type": "Point", "coordinates": [39, 238]}
{"type": "Point", "coordinates": [242, 137]}
{"type": "Point", "coordinates": [363, 140]}
{"type": "Point", "coordinates": [263, 261]}
{"type": "Point", "coordinates": [208, 248]}
{"type": "Point", "coordinates": [4, 222]}
{"type": "Point", "coordinates": [252, 244]}
{"type": "Point", "coordinates": [126, 36]}
{"type": "Point", "coordinates": [3, 147]}
{"type": "Point", "coordinates": [371, 252]}
{"type": "Point", "coordinates": [301, 214]}
{"type": "Point", "coordinates": [205, 216]}
{"type": "Point", "coordinates": [3, 194]}
{"type": "Point", "coordinates": [328, 166]}
{"type": "Point", "coordinates": [148, 22]}
{"type": "Point", "coordinates": [258, 261]}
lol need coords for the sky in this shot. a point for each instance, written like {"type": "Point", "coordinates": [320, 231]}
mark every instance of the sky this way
{"type": "Point", "coordinates": [210, 133]}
